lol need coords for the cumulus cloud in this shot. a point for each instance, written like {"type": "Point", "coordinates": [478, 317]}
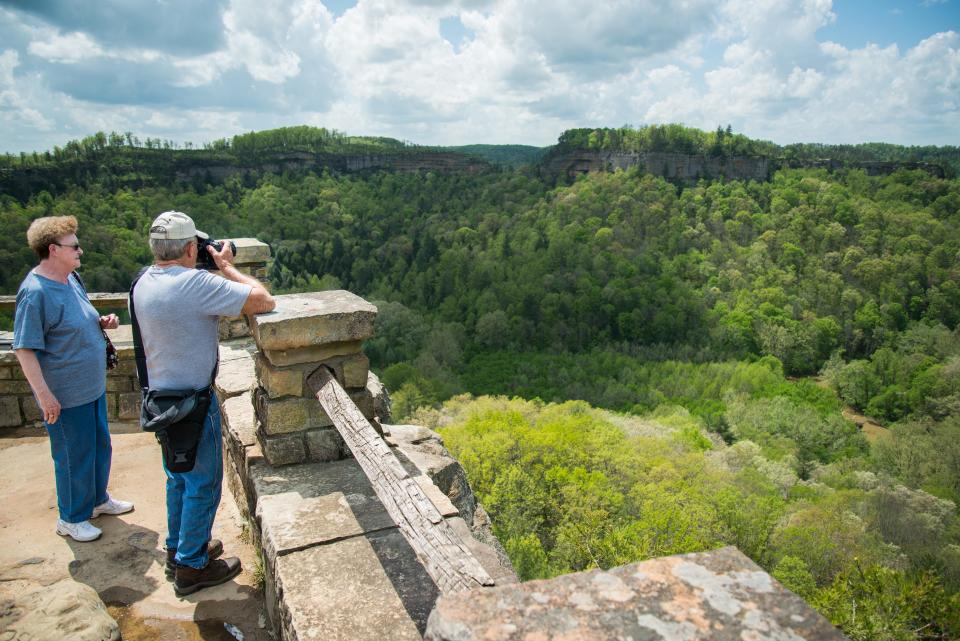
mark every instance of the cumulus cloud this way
{"type": "Point", "coordinates": [582, 34]}
{"type": "Point", "coordinates": [65, 48]}
{"type": "Point", "coordinates": [15, 100]}
{"type": "Point", "coordinates": [459, 71]}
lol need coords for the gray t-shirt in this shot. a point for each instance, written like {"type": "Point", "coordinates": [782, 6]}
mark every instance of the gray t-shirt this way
{"type": "Point", "coordinates": [57, 321]}
{"type": "Point", "coordinates": [177, 309]}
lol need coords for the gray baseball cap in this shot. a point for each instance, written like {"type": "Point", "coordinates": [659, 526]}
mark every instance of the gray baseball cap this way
{"type": "Point", "coordinates": [175, 225]}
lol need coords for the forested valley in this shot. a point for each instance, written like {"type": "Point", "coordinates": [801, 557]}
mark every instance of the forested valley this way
{"type": "Point", "coordinates": [627, 367]}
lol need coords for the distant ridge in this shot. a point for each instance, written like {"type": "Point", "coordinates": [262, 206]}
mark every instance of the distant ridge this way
{"type": "Point", "coordinates": [673, 151]}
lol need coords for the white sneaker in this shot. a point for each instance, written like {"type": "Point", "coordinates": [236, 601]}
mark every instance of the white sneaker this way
{"type": "Point", "coordinates": [112, 506]}
{"type": "Point", "coordinates": [82, 531]}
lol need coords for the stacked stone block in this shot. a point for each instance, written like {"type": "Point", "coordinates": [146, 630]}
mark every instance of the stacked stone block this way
{"type": "Point", "coordinates": [307, 331]}
{"type": "Point", "coordinates": [17, 407]}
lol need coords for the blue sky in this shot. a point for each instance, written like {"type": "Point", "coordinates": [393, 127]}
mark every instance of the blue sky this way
{"type": "Point", "coordinates": [479, 71]}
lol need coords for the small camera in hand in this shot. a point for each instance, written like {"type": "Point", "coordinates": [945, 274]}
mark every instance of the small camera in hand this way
{"type": "Point", "coordinates": [204, 259]}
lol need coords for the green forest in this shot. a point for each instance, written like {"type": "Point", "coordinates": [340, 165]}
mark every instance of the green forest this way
{"type": "Point", "coordinates": [625, 366]}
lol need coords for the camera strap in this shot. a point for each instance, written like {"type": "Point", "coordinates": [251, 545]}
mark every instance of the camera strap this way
{"type": "Point", "coordinates": [138, 353]}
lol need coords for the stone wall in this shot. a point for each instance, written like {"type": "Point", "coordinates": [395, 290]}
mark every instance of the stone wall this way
{"type": "Point", "coordinates": [19, 409]}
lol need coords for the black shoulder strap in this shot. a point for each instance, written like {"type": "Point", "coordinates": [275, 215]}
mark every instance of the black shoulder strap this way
{"type": "Point", "coordinates": [80, 280]}
{"type": "Point", "coordinates": [138, 353]}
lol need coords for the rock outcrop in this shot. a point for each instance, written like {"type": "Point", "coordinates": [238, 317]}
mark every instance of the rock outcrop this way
{"type": "Point", "coordinates": [717, 596]}
{"type": "Point", "coordinates": [64, 610]}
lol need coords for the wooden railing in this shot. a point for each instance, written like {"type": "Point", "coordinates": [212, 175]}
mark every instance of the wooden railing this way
{"type": "Point", "coordinates": [446, 558]}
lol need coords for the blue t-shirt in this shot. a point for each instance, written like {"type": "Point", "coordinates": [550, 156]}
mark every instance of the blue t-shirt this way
{"type": "Point", "coordinates": [57, 321]}
{"type": "Point", "coordinates": [177, 310]}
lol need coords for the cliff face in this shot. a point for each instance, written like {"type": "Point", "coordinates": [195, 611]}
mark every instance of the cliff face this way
{"type": "Point", "coordinates": [689, 168]}
{"type": "Point", "coordinates": [298, 161]}
{"type": "Point", "coordinates": [142, 168]}
{"type": "Point", "coordinates": [870, 167]}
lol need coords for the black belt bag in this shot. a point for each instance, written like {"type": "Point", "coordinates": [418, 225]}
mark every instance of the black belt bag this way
{"type": "Point", "coordinates": [176, 417]}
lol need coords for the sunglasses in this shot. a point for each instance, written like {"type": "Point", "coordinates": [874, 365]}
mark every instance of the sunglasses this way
{"type": "Point", "coordinates": [75, 247]}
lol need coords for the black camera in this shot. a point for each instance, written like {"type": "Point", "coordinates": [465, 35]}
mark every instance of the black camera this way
{"type": "Point", "coordinates": [204, 259]}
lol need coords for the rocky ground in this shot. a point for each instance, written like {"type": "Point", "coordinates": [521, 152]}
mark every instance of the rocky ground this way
{"type": "Point", "coordinates": [49, 584]}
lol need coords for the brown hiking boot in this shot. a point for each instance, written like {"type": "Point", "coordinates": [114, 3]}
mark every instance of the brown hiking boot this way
{"type": "Point", "coordinates": [214, 550]}
{"type": "Point", "coordinates": [189, 580]}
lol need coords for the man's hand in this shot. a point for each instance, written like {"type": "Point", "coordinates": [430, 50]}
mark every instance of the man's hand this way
{"type": "Point", "coordinates": [110, 321]}
{"type": "Point", "coordinates": [222, 257]}
{"type": "Point", "coordinates": [49, 405]}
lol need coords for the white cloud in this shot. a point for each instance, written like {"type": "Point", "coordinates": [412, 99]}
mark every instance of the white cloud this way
{"type": "Point", "coordinates": [9, 60]}
{"type": "Point", "coordinates": [16, 109]}
{"type": "Point", "coordinates": [65, 48]}
{"type": "Point", "coordinates": [804, 83]}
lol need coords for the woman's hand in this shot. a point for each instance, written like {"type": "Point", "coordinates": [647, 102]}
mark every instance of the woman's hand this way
{"type": "Point", "coordinates": [110, 321]}
{"type": "Point", "coordinates": [49, 405]}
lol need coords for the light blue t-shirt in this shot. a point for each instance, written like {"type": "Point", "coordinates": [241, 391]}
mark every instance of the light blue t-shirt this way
{"type": "Point", "coordinates": [57, 321]}
{"type": "Point", "coordinates": [177, 310]}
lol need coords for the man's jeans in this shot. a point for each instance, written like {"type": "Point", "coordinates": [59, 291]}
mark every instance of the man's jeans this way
{"type": "Point", "coordinates": [193, 497]}
{"type": "Point", "coordinates": [81, 450]}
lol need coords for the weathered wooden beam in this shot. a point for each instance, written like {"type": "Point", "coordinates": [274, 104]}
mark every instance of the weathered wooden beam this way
{"type": "Point", "coordinates": [100, 300]}
{"type": "Point", "coordinates": [447, 560]}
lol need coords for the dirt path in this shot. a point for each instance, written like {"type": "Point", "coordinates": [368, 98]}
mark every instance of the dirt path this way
{"type": "Point", "coordinates": [871, 429]}
{"type": "Point", "coordinates": [126, 565]}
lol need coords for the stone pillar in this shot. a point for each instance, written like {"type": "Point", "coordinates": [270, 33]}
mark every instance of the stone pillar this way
{"type": "Point", "coordinates": [307, 331]}
{"type": "Point", "coordinates": [253, 258]}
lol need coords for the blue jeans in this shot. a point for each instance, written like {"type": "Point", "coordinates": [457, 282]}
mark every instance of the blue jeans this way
{"type": "Point", "coordinates": [81, 450]}
{"type": "Point", "coordinates": [193, 497]}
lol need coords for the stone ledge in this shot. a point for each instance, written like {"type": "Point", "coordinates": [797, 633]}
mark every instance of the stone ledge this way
{"type": "Point", "coordinates": [317, 318]}
{"type": "Point", "coordinates": [310, 504]}
{"type": "Point", "coordinates": [717, 596]}
{"type": "Point", "coordinates": [366, 588]}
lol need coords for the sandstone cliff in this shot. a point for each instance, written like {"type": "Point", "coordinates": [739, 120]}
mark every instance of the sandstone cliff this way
{"type": "Point", "coordinates": [689, 168]}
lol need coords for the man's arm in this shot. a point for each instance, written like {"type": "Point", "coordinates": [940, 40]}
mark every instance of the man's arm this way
{"type": "Point", "coordinates": [259, 300]}
{"type": "Point", "coordinates": [31, 369]}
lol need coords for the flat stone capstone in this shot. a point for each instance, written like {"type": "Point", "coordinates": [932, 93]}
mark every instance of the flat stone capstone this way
{"type": "Point", "coordinates": [316, 318]}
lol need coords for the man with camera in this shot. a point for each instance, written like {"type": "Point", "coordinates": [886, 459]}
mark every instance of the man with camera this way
{"type": "Point", "coordinates": [176, 306]}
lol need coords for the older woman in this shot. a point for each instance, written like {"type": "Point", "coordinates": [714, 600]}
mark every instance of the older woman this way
{"type": "Point", "coordinates": [59, 343]}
